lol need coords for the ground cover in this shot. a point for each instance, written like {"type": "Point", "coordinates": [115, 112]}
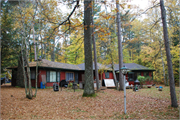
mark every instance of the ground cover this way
{"type": "Point", "coordinates": [147, 103]}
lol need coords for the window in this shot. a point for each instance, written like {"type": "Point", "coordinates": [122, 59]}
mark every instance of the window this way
{"type": "Point", "coordinates": [51, 76]}
{"type": "Point", "coordinates": [130, 76]}
{"type": "Point", "coordinates": [69, 76]}
{"type": "Point", "coordinates": [33, 74]}
{"type": "Point", "coordinates": [58, 76]}
{"type": "Point", "coordinates": [106, 74]}
{"type": "Point", "coordinates": [76, 77]}
{"type": "Point", "coordinates": [146, 74]}
{"type": "Point", "coordinates": [48, 76]}
{"type": "Point", "coordinates": [136, 75]}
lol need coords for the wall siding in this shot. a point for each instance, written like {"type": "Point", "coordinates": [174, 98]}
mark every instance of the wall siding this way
{"type": "Point", "coordinates": [62, 76]}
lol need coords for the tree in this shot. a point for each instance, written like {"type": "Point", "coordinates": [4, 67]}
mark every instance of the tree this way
{"type": "Point", "coordinates": [94, 46]}
{"type": "Point", "coordinates": [89, 84]}
{"type": "Point", "coordinates": [10, 47]}
{"type": "Point", "coordinates": [168, 55]}
{"type": "Point", "coordinates": [119, 46]}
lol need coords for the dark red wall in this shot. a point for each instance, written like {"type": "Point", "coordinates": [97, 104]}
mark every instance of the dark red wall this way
{"type": "Point", "coordinates": [62, 76]}
{"type": "Point", "coordinates": [111, 75]}
{"type": "Point", "coordinates": [40, 79]}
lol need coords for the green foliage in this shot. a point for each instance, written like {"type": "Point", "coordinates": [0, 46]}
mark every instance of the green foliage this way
{"type": "Point", "coordinates": [141, 79]}
{"type": "Point", "coordinates": [9, 44]}
{"type": "Point", "coordinates": [70, 84]}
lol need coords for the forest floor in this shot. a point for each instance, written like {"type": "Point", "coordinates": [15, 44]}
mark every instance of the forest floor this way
{"type": "Point", "coordinates": [147, 103]}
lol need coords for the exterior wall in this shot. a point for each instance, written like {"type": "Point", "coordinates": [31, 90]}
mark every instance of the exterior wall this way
{"type": "Point", "coordinates": [111, 75]}
{"type": "Point", "coordinates": [142, 73]}
{"type": "Point", "coordinates": [41, 77]}
{"type": "Point", "coordinates": [62, 76]}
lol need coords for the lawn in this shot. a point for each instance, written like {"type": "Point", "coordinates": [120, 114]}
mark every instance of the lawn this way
{"type": "Point", "coordinates": [148, 103]}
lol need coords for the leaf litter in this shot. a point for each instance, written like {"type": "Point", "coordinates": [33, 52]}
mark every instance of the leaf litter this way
{"type": "Point", "coordinates": [67, 104]}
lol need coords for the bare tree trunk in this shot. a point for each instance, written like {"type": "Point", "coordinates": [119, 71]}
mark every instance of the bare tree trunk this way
{"type": "Point", "coordinates": [53, 52]}
{"type": "Point", "coordinates": [89, 83]}
{"type": "Point", "coordinates": [36, 76]}
{"type": "Point", "coordinates": [23, 66]}
{"type": "Point", "coordinates": [179, 55]}
{"type": "Point", "coordinates": [168, 54]}
{"type": "Point", "coordinates": [163, 65]}
{"type": "Point", "coordinates": [119, 47]}
{"type": "Point", "coordinates": [114, 75]}
{"type": "Point", "coordinates": [44, 50]}
{"type": "Point", "coordinates": [28, 72]}
{"type": "Point", "coordinates": [110, 52]}
{"type": "Point", "coordinates": [35, 57]}
{"type": "Point", "coordinates": [30, 51]}
{"type": "Point", "coordinates": [23, 49]}
{"type": "Point", "coordinates": [95, 56]}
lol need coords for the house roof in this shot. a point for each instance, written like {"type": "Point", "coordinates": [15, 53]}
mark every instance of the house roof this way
{"type": "Point", "coordinates": [50, 64]}
{"type": "Point", "coordinates": [132, 66]}
{"type": "Point", "coordinates": [99, 66]}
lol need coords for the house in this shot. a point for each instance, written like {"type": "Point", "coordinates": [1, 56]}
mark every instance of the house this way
{"type": "Point", "coordinates": [53, 72]}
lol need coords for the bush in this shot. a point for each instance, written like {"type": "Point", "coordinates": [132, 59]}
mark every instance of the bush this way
{"type": "Point", "coordinates": [141, 79]}
{"type": "Point", "coordinates": [70, 84]}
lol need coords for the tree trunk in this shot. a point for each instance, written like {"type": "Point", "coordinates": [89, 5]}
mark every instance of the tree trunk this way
{"type": "Point", "coordinates": [110, 52]}
{"type": "Point", "coordinates": [53, 52]}
{"type": "Point", "coordinates": [89, 83]}
{"type": "Point", "coordinates": [114, 75]}
{"type": "Point", "coordinates": [36, 77]}
{"type": "Point", "coordinates": [44, 51]}
{"type": "Point", "coordinates": [28, 71]}
{"type": "Point", "coordinates": [163, 65]}
{"type": "Point", "coordinates": [20, 79]}
{"type": "Point", "coordinates": [119, 47]}
{"type": "Point", "coordinates": [168, 54]}
{"type": "Point", "coordinates": [35, 57]}
{"type": "Point", "coordinates": [95, 56]}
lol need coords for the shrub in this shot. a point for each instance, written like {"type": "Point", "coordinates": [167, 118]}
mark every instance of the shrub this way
{"type": "Point", "coordinates": [141, 79]}
{"type": "Point", "coordinates": [70, 84]}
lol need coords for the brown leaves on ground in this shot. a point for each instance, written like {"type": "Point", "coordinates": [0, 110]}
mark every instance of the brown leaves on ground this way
{"type": "Point", "coordinates": [67, 104]}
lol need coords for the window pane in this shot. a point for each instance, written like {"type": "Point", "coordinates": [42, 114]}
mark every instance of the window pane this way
{"type": "Point", "coordinates": [33, 74]}
{"type": "Point", "coordinates": [58, 76]}
{"type": "Point", "coordinates": [52, 76]}
{"type": "Point", "coordinates": [48, 76]}
{"type": "Point", "coordinates": [106, 74]}
{"type": "Point", "coordinates": [69, 76]}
